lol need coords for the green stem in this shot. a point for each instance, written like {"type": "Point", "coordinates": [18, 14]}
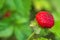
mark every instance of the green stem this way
{"type": "Point", "coordinates": [30, 36]}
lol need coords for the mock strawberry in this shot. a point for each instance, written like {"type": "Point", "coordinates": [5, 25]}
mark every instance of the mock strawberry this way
{"type": "Point", "coordinates": [45, 19]}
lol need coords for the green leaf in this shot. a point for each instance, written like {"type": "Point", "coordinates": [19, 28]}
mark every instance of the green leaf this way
{"type": "Point", "coordinates": [2, 3]}
{"type": "Point", "coordinates": [23, 31]}
{"type": "Point", "coordinates": [19, 35]}
{"type": "Point", "coordinates": [11, 5]}
{"type": "Point", "coordinates": [23, 10]}
{"type": "Point", "coordinates": [5, 23]}
{"type": "Point", "coordinates": [26, 28]}
{"type": "Point", "coordinates": [18, 17]}
{"type": "Point", "coordinates": [6, 32]}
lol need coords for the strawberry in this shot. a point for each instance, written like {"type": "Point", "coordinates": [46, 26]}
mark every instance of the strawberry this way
{"type": "Point", "coordinates": [45, 19]}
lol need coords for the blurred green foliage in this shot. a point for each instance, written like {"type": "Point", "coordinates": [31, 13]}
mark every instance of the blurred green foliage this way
{"type": "Point", "coordinates": [18, 22]}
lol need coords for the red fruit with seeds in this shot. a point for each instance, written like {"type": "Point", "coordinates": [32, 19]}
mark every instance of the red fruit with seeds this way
{"type": "Point", "coordinates": [45, 19]}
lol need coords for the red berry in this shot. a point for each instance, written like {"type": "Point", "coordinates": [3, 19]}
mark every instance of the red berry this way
{"type": "Point", "coordinates": [7, 14]}
{"type": "Point", "coordinates": [45, 19]}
